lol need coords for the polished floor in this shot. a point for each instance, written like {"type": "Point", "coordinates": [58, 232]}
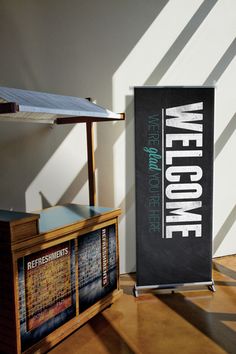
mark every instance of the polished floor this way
{"type": "Point", "coordinates": [193, 322]}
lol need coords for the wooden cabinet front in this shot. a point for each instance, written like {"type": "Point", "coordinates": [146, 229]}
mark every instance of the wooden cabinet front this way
{"type": "Point", "coordinates": [59, 278]}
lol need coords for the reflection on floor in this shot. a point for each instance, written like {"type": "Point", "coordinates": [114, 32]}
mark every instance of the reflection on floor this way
{"type": "Point", "coordinates": [190, 322]}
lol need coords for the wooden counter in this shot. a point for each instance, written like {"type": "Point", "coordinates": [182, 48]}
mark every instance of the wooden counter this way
{"type": "Point", "coordinates": [59, 268]}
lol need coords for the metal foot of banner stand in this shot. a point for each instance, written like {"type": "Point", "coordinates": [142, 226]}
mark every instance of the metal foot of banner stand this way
{"type": "Point", "coordinates": [209, 284]}
{"type": "Point", "coordinates": [212, 287]}
{"type": "Point", "coordinates": [135, 291]}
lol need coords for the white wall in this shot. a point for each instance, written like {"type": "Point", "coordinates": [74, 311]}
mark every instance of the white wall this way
{"type": "Point", "coordinates": [100, 49]}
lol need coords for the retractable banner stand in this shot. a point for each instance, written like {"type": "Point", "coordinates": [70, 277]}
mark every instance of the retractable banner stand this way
{"type": "Point", "coordinates": [174, 186]}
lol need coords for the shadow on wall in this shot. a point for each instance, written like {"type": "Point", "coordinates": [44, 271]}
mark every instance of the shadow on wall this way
{"type": "Point", "coordinates": [225, 136]}
{"type": "Point", "coordinates": [181, 41]}
{"type": "Point", "coordinates": [154, 79]}
{"type": "Point", "coordinates": [25, 148]}
{"type": "Point", "coordinates": [74, 48]}
{"type": "Point", "coordinates": [226, 226]}
{"type": "Point", "coordinates": [70, 48]}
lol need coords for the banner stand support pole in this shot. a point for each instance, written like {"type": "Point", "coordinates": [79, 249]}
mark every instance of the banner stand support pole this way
{"type": "Point", "coordinates": [209, 284]}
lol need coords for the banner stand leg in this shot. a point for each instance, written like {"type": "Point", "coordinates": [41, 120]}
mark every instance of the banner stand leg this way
{"type": "Point", "coordinates": [178, 287]}
{"type": "Point", "coordinates": [212, 287]}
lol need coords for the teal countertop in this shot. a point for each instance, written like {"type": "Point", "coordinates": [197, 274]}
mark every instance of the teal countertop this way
{"type": "Point", "coordinates": [63, 215]}
{"type": "Point", "coordinates": [55, 217]}
{"type": "Point", "coordinates": [14, 216]}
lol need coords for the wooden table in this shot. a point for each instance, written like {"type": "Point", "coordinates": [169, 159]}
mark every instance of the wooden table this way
{"type": "Point", "coordinates": [59, 268]}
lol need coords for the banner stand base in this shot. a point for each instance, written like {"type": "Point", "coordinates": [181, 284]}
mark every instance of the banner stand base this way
{"type": "Point", "coordinates": [178, 287]}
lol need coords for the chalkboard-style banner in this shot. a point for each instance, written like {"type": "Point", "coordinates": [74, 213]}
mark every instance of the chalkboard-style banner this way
{"type": "Point", "coordinates": [174, 184]}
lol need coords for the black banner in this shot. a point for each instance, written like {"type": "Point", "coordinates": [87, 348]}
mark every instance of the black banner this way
{"type": "Point", "coordinates": [174, 184]}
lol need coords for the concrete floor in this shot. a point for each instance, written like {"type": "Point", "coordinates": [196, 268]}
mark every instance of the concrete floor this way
{"type": "Point", "coordinates": [190, 322]}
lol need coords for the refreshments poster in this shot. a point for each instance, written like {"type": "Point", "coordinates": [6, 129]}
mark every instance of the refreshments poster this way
{"type": "Point", "coordinates": [46, 291]}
